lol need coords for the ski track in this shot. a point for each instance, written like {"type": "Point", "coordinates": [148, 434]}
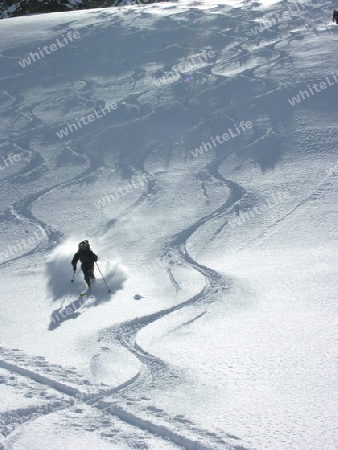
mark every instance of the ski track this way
{"type": "Point", "coordinates": [96, 399]}
{"type": "Point", "coordinates": [24, 206]}
{"type": "Point", "coordinates": [321, 188]}
{"type": "Point", "coordinates": [21, 210]}
{"type": "Point", "coordinates": [153, 371]}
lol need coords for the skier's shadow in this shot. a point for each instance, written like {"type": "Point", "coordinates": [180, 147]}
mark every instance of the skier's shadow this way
{"type": "Point", "coordinates": [71, 311]}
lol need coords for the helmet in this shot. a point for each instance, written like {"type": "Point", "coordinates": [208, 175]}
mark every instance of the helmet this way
{"type": "Point", "coordinates": [84, 245]}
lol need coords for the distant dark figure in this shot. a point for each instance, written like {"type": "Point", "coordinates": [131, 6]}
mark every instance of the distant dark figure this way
{"type": "Point", "coordinates": [87, 258]}
{"type": "Point", "coordinates": [335, 16]}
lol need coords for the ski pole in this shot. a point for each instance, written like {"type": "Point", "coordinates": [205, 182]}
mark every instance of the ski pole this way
{"type": "Point", "coordinates": [102, 277]}
{"type": "Point", "coordinates": [72, 280]}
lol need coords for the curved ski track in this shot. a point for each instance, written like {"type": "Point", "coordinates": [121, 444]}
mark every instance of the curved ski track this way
{"type": "Point", "coordinates": [154, 371]}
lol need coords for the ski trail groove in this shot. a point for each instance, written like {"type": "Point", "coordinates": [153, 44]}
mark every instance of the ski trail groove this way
{"type": "Point", "coordinates": [154, 370]}
{"type": "Point", "coordinates": [163, 431]}
{"type": "Point", "coordinates": [97, 400]}
{"type": "Point", "coordinates": [321, 187]}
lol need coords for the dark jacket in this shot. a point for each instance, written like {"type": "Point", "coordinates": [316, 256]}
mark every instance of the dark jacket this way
{"type": "Point", "coordinates": [335, 16]}
{"type": "Point", "coordinates": [87, 258]}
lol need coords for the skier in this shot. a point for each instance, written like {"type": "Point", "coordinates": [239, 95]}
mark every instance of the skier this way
{"type": "Point", "coordinates": [335, 16]}
{"type": "Point", "coordinates": [87, 258]}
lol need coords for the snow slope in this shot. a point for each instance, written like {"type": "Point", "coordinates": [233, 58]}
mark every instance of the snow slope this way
{"type": "Point", "coordinates": [194, 144]}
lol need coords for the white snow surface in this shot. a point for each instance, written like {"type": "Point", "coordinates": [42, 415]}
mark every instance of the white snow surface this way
{"type": "Point", "coordinates": [220, 331]}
